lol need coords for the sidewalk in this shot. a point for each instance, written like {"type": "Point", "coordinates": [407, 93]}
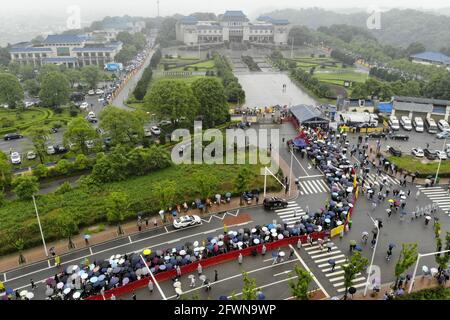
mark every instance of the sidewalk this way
{"type": "Point", "coordinates": [421, 283]}
{"type": "Point", "coordinates": [36, 254]}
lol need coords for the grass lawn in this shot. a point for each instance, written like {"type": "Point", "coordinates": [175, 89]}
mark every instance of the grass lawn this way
{"type": "Point", "coordinates": [339, 78]}
{"type": "Point", "coordinates": [424, 167]}
{"type": "Point", "coordinates": [88, 206]}
{"type": "Point", "coordinates": [439, 293]}
{"type": "Point", "coordinates": [188, 80]}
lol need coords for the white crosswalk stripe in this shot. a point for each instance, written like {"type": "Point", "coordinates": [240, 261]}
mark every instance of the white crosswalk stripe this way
{"type": "Point", "coordinates": [291, 214]}
{"type": "Point", "coordinates": [313, 186]}
{"type": "Point", "coordinates": [439, 196]}
{"type": "Point", "coordinates": [335, 277]}
{"type": "Point", "coordinates": [374, 178]}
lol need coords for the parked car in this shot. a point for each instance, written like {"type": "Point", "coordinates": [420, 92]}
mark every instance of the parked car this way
{"type": "Point", "coordinates": [147, 132]}
{"type": "Point", "coordinates": [377, 135]}
{"type": "Point", "coordinates": [417, 152]}
{"type": "Point", "coordinates": [165, 123]}
{"type": "Point", "coordinates": [60, 149]}
{"type": "Point", "coordinates": [418, 124]}
{"type": "Point", "coordinates": [400, 137]}
{"type": "Point", "coordinates": [443, 125]}
{"type": "Point", "coordinates": [91, 92]}
{"type": "Point", "coordinates": [394, 123]}
{"type": "Point", "coordinates": [31, 155]}
{"type": "Point", "coordinates": [443, 135]}
{"type": "Point", "coordinates": [395, 152]}
{"type": "Point", "coordinates": [186, 221]}
{"type": "Point", "coordinates": [99, 91]}
{"type": "Point", "coordinates": [15, 158]}
{"type": "Point", "coordinates": [274, 203]}
{"type": "Point", "coordinates": [92, 119]}
{"type": "Point", "coordinates": [12, 136]}
{"type": "Point", "coordinates": [84, 106]}
{"type": "Point", "coordinates": [441, 154]}
{"type": "Point", "coordinates": [406, 123]}
{"type": "Point", "coordinates": [51, 150]}
{"type": "Point", "coordinates": [155, 130]}
{"type": "Point", "coordinates": [430, 155]}
{"type": "Point", "coordinates": [54, 130]}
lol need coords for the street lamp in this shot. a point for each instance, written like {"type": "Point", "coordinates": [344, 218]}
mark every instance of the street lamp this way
{"type": "Point", "coordinates": [417, 264]}
{"type": "Point", "coordinates": [373, 254]}
{"type": "Point", "coordinates": [40, 227]}
{"type": "Point", "coordinates": [440, 161]}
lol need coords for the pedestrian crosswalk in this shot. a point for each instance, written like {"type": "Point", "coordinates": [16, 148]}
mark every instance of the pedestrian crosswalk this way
{"type": "Point", "coordinates": [321, 256]}
{"type": "Point", "coordinates": [313, 186]}
{"type": "Point", "coordinates": [373, 178]}
{"type": "Point", "coordinates": [291, 214]}
{"type": "Point", "coordinates": [438, 196]}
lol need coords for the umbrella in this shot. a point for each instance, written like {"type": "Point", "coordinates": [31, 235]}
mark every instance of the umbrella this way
{"type": "Point", "coordinates": [76, 295]}
{"type": "Point", "coordinates": [280, 237]}
{"type": "Point", "coordinates": [353, 242]}
{"type": "Point", "coordinates": [30, 295]}
{"type": "Point", "coordinates": [391, 200]}
{"type": "Point", "coordinates": [162, 267]}
{"type": "Point", "coordinates": [9, 291]}
{"type": "Point", "coordinates": [261, 296]}
{"type": "Point", "coordinates": [49, 292]}
{"type": "Point", "coordinates": [101, 277]}
{"type": "Point", "coordinates": [67, 290]}
{"type": "Point", "coordinates": [182, 252]}
{"type": "Point", "coordinates": [177, 284]}
{"type": "Point", "coordinates": [223, 298]}
{"type": "Point", "coordinates": [87, 236]}
{"type": "Point", "coordinates": [50, 281]}
{"type": "Point", "coordinates": [202, 277]}
{"type": "Point", "coordinates": [93, 279]}
{"type": "Point", "coordinates": [146, 252]}
{"type": "Point", "coordinates": [256, 241]}
{"type": "Point", "coordinates": [60, 285]}
{"type": "Point", "coordinates": [358, 248]}
{"type": "Point", "coordinates": [281, 254]}
{"type": "Point", "coordinates": [125, 281]}
{"type": "Point", "coordinates": [114, 280]}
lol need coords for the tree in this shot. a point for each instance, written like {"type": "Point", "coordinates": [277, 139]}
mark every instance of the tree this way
{"type": "Point", "coordinates": [55, 89]}
{"type": "Point", "coordinates": [63, 167]}
{"type": "Point", "coordinates": [118, 207]}
{"type": "Point", "coordinates": [25, 186]}
{"type": "Point", "coordinates": [408, 256]}
{"type": "Point", "coordinates": [32, 87]}
{"type": "Point", "coordinates": [125, 37]}
{"type": "Point", "coordinates": [123, 126]}
{"type": "Point", "coordinates": [92, 74]}
{"type": "Point", "coordinates": [355, 265]}
{"type": "Point", "coordinates": [68, 227]}
{"type": "Point", "coordinates": [113, 167]}
{"type": "Point", "coordinates": [164, 194]}
{"type": "Point", "coordinates": [442, 260]}
{"type": "Point", "coordinates": [300, 288]}
{"type": "Point", "coordinates": [15, 237]}
{"type": "Point", "coordinates": [73, 76]}
{"type": "Point", "coordinates": [415, 47]}
{"type": "Point", "coordinates": [39, 138]}
{"type": "Point", "coordinates": [213, 102]}
{"type": "Point", "coordinates": [126, 54]}
{"type": "Point", "coordinates": [249, 287]}
{"type": "Point", "coordinates": [11, 92]}
{"type": "Point", "coordinates": [78, 132]}
{"type": "Point", "coordinates": [5, 171]}
{"type": "Point", "coordinates": [171, 99]}
{"type": "Point", "coordinates": [438, 87]}
{"type": "Point", "coordinates": [234, 92]}
{"type": "Point", "coordinates": [242, 181]}
{"type": "Point", "coordinates": [5, 56]}
{"type": "Point", "coordinates": [40, 171]}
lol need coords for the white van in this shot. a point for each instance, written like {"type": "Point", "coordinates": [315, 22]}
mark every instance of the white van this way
{"type": "Point", "coordinates": [393, 123]}
{"type": "Point", "coordinates": [431, 126]}
{"type": "Point", "coordinates": [418, 124]}
{"type": "Point", "coordinates": [406, 123]}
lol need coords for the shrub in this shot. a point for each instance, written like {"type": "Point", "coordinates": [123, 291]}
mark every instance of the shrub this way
{"type": "Point", "coordinates": [57, 124]}
{"type": "Point", "coordinates": [40, 171]}
{"type": "Point", "coordinates": [64, 188]}
{"type": "Point", "coordinates": [63, 167]}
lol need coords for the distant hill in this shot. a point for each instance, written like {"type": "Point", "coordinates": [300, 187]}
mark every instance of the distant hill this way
{"type": "Point", "coordinates": [398, 27]}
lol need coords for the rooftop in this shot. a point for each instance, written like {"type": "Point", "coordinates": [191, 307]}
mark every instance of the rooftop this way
{"type": "Point", "coordinates": [64, 38]}
{"type": "Point", "coordinates": [188, 20]}
{"type": "Point", "coordinates": [306, 113]}
{"type": "Point", "coordinates": [422, 100]}
{"type": "Point", "coordinates": [432, 56]}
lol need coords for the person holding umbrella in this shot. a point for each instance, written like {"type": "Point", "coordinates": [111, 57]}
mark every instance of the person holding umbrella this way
{"type": "Point", "coordinates": [150, 286]}
{"type": "Point", "coordinates": [240, 259]}
{"type": "Point", "coordinates": [263, 250]}
{"type": "Point", "coordinates": [332, 264]}
{"type": "Point", "coordinates": [199, 269]}
{"type": "Point", "coordinates": [192, 284]}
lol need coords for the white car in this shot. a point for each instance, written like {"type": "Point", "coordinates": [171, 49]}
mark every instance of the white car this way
{"type": "Point", "coordinates": [443, 125]}
{"type": "Point", "coordinates": [186, 221]}
{"type": "Point", "coordinates": [147, 133]}
{"type": "Point", "coordinates": [417, 152]}
{"type": "Point", "coordinates": [15, 158]}
{"type": "Point", "coordinates": [51, 150]}
{"type": "Point", "coordinates": [406, 123]}
{"type": "Point", "coordinates": [441, 154]}
{"type": "Point", "coordinates": [99, 91]}
{"type": "Point", "coordinates": [91, 92]}
{"type": "Point", "coordinates": [29, 104]}
{"type": "Point", "coordinates": [155, 130]}
{"type": "Point", "coordinates": [31, 155]}
{"type": "Point", "coordinates": [91, 114]}
{"type": "Point", "coordinates": [89, 144]}
{"type": "Point", "coordinates": [84, 106]}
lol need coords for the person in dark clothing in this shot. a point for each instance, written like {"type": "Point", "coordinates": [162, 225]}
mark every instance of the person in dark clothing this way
{"type": "Point", "coordinates": [216, 276]}
{"type": "Point", "coordinates": [134, 296]}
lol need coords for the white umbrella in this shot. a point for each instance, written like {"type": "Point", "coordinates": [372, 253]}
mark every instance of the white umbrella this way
{"type": "Point", "coordinates": [67, 290]}
{"type": "Point", "coordinates": [264, 229]}
{"type": "Point", "coordinates": [77, 295]}
{"type": "Point", "coordinates": [280, 237]}
{"type": "Point", "coordinates": [23, 293]}
{"type": "Point", "coordinates": [60, 285]}
{"type": "Point", "coordinates": [256, 241]}
{"type": "Point", "coordinates": [202, 277]}
{"type": "Point", "coordinates": [281, 254]}
{"type": "Point", "coordinates": [182, 252]}
{"type": "Point", "coordinates": [240, 243]}
{"type": "Point", "coordinates": [30, 295]}
{"type": "Point", "coordinates": [273, 230]}
{"type": "Point", "coordinates": [213, 241]}
{"type": "Point", "coordinates": [253, 230]}
{"type": "Point", "coordinates": [220, 243]}
{"type": "Point", "coordinates": [177, 284]}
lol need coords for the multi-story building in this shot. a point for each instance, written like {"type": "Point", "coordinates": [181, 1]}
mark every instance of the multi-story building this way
{"type": "Point", "coordinates": [232, 26]}
{"type": "Point", "coordinates": [432, 58]}
{"type": "Point", "coordinates": [71, 50]}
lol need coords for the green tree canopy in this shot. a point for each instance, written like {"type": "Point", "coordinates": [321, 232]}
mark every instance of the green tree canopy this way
{"type": "Point", "coordinates": [92, 74]}
{"type": "Point", "coordinates": [300, 286]}
{"type": "Point", "coordinates": [213, 102]}
{"type": "Point", "coordinates": [118, 209]}
{"type": "Point", "coordinates": [5, 171]}
{"type": "Point", "coordinates": [123, 126]}
{"type": "Point", "coordinates": [171, 99]}
{"type": "Point", "coordinates": [11, 92]}
{"type": "Point", "coordinates": [355, 265]}
{"type": "Point", "coordinates": [25, 186]}
{"type": "Point", "coordinates": [55, 89]}
{"type": "Point", "coordinates": [78, 132]}
{"type": "Point", "coordinates": [408, 256]}
{"type": "Point", "coordinates": [39, 137]}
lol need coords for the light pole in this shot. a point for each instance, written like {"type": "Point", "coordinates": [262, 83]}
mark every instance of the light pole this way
{"type": "Point", "coordinates": [440, 161]}
{"type": "Point", "coordinates": [290, 169]}
{"type": "Point", "coordinates": [40, 227]}
{"type": "Point", "coordinates": [417, 264]}
{"type": "Point", "coordinates": [373, 254]}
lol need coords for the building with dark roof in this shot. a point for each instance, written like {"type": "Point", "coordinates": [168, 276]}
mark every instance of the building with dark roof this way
{"type": "Point", "coordinates": [70, 50]}
{"type": "Point", "coordinates": [308, 116]}
{"type": "Point", "coordinates": [232, 26]}
{"type": "Point", "coordinates": [434, 58]}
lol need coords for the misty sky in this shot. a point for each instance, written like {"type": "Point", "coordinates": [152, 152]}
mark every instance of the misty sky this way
{"type": "Point", "coordinates": [91, 9]}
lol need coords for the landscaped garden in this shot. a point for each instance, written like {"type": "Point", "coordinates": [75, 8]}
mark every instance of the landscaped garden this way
{"type": "Point", "coordinates": [422, 166]}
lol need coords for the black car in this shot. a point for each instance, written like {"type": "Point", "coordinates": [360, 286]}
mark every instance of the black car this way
{"type": "Point", "coordinates": [274, 203]}
{"type": "Point", "coordinates": [54, 130]}
{"type": "Point", "coordinates": [400, 137]}
{"type": "Point", "coordinates": [395, 152]}
{"type": "Point", "coordinates": [11, 136]}
{"type": "Point", "coordinates": [377, 135]}
{"type": "Point", "coordinates": [59, 149]}
{"type": "Point", "coordinates": [430, 155]}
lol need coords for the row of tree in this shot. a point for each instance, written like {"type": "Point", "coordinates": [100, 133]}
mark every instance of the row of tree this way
{"type": "Point", "coordinates": [233, 89]}
{"type": "Point", "coordinates": [343, 56]}
{"type": "Point", "coordinates": [143, 84]}
{"type": "Point", "coordinates": [132, 45]}
{"type": "Point", "coordinates": [308, 80]}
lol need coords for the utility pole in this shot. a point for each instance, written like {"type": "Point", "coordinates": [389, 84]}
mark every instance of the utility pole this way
{"type": "Point", "coordinates": [157, 2]}
{"type": "Point", "coordinates": [40, 227]}
{"type": "Point", "coordinates": [292, 48]}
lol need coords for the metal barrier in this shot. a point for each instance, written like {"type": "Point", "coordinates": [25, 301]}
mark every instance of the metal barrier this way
{"type": "Point", "coordinates": [208, 262]}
